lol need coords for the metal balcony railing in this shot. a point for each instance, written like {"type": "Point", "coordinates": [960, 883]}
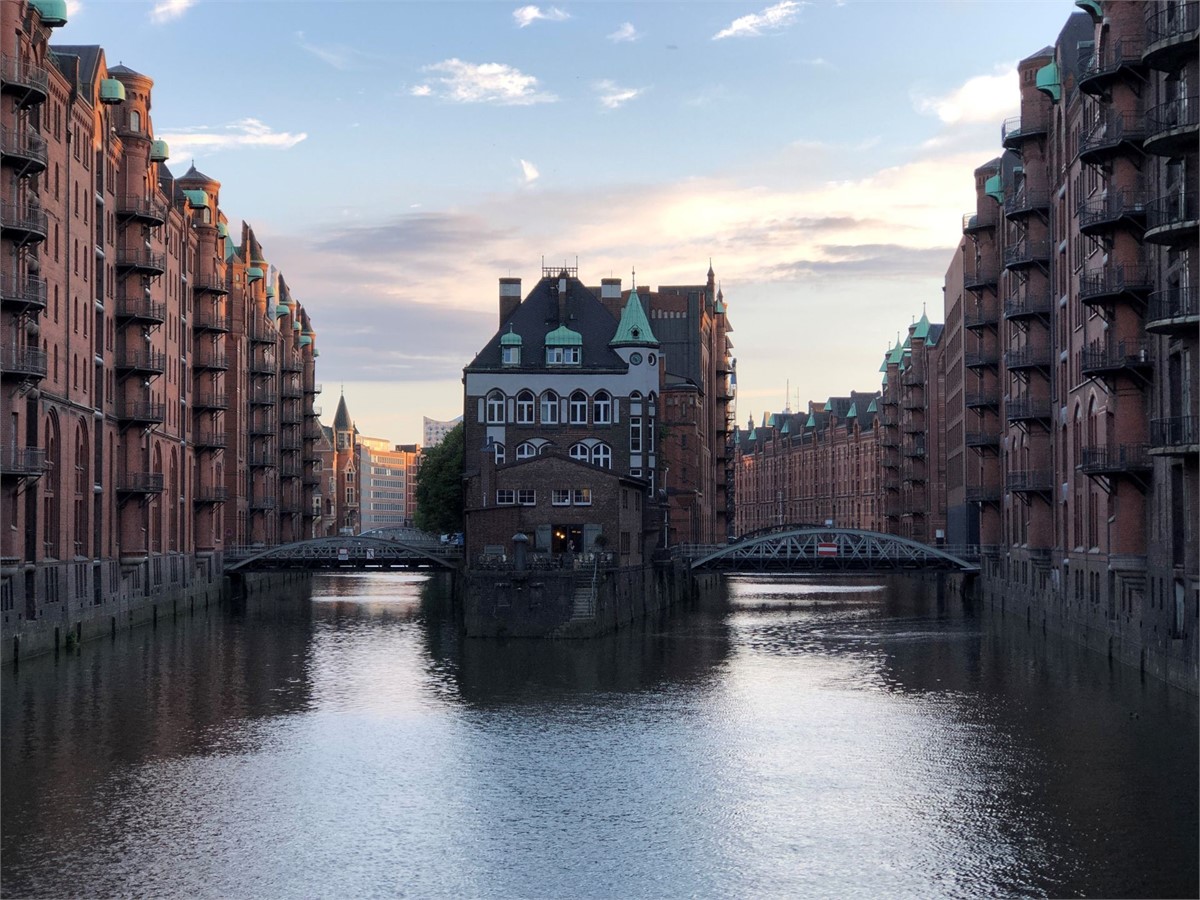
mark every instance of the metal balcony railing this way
{"type": "Point", "coordinates": [141, 209]}
{"type": "Point", "coordinates": [1111, 134]}
{"type": "Point", "coordinates": [24, 146]}
{"type": "Point", "coordinates": [30, 81]}
{"type": "Point", "coordinates": [1027, 253]}
{"type": "Point", "coordinates": [1108, 358]}
{"type": "Point", "coordinates": [141, 260]}
{"type": "Point", "coordinates": [1115, 458]}
{"type": "Point", "coordinates": [1026, 409]}
{"type": "Point", "coordinates": [25, 221]}
{"type": "Point", "coordinates": [1114, 283]}
{"type": "Point", "coordinates": [1117, 208]}
{"type": "Point", "coordinates": [1175, 431]}
{"type": "Point", "coordinates": [23, 293]}
{"type": "Point", "coordinates": [22, 462]}
{"type": "Point", "coordinates": [140, 483]}
{"type": "Point", "coordinates": [1027, 358]}
{"type": "Point", "coordinates": [1031, 303]}
{"type": "Point", "coordinates": [141, 360]}
{"type": "Point", "coordinates": [1175, 309]}
{"type": "Point", "coordinates": [1171, 30]}
{"type": "Point", "coordinates": [1030, 481]}
{"type": "Point", "coordinates": [1173, 216]}
{"type": "Point", "coordinates": [140, 309]}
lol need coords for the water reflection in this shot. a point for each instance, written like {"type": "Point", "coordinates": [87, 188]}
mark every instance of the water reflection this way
{"type": "Point", "coordinates": [787, 737]}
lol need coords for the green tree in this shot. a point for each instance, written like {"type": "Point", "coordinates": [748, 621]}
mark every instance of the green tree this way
{"type": "Point", "coordinates": [440, 486]}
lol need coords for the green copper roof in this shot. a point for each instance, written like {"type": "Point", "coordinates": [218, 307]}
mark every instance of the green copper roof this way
{"type": "Point", "coordinates": [254, 273]}
{"type": "Point", "coordinates": [884, 382]}
{"type": "Point", "coordinates": [753, 435]}
{"type": "Point", "coordinates": [1049, 81]}
{"type": "Point", "coordinates": [872, 408]}
{"type": "Point", "coordinates": [787, 427]}
{"type": "Point", "coordinates": [896, 355]}
{"type": "Point", "coordinates": [883, 365]}
{"type": "Point", "coordinates": [994, 188]}
{"type": "Point", "coordinates": [511, 339]}
{"type": "Point", "coordinates": [562, 336]}
{"type": "Point", "coordinates": [196, 199]}
{"type": "Point", "coordinates": [222, 229]}
{"type": "Point", "coordinates": [159, 151]}
{"type": "Point", "coordinates": [922, 329]}
{"type": "Point", "coordinates": [296, 326]}
{"type": "Point", "coordinates": [283, 310]}
{"type": "Point", "coordinates": [229, 247]}
{"type": "Point", "coordinates": [812, 421]}
{"type": "Point", "coordinates": [270, 290]}
{"type": "Point", "coordinates": [720, 308]}
{"type": "Point", "coordinates": [1092, 8]}
{"type": "Point", "coordinates": [316, 352]}
{"type": "Point", "coordinates": [53, 12]}
{"type": "Point", "coordinates": [111, 91]}
{"type": "Point", "coordinates": [852, 412]}
{"type": "Point", "coordinates": [305, 340]}
{"type": "Point", "coordinates": [634, 329]}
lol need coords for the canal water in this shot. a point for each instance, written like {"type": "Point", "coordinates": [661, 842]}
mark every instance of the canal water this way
{"type": "Point", "coordinates": [789, 738]}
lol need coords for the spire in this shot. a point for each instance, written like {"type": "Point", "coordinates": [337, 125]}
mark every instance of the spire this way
{"type": "Point", "coordinates": [341, 419]}
{"type": "Point", "coordinates": [634, 328]}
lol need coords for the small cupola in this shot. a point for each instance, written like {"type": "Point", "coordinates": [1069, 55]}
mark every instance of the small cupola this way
{"type": "Point", "coordinates": [634, 328]}
{"type": "Point", "coordinates": [510, 348]}
{"type": "Point", "coordinates": [564, 347]}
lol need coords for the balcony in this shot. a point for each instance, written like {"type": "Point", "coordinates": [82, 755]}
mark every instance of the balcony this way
{"type": "Point", "coordinates": [980, 359]}
{"type": "Point", "coordinates": [208, 358]}
{"type": "Point", "coordinates": [262, 396]}
{"type": "Point", "coordinates": [209, 494]}
{"type": "Point", "coordinates": [1174, 311]}
{"type": "Point", "coordinates": [1172, 220]}
{"type": "Point", "coordinates": [983, 278]}
{"type": "Point", "coordinates": [313, 430]}
{"type": "Point", "coordinates": [264, 427]}
{"type": "Point", "coordinates": [210, 401]}
{"type": "Point", "coordinates": [1113, 134]}
{"type": "Point", "coordinates": [141, 261]}
{"type": "Point", "coordinates": [143, 210]}
{"type": "Point", "coordinates": [311, 479]}
{"type": "Point", "coordinates": [289, 390]}
{"type": "Point", "coordinates": [981, 315]}
{"type": "Point", "coordinates": [313, 388]}
{"type": "Point", "coordinates": [1172, 31]}
{"type": "Point", "coordinates": [289, 469]}
{"type": "Point", "coordinates": [140, 483]}
{"type": "Point", "coordinates": [982, 440]}
{"type": "Point", "coordinates": [1171, 127]}
{"type": "Point", "coordinates": [1120, 210]}
{"type": "Point", "coordinates": [261, 459]}
{"type": "Point", "coordinates": [209, 285]}
{"type": "Point", "coordinates": [1017, 130]}
{"type": "Point", "coordinates": [262, 332]}
{"type": "Point", "coordinates": [141, 362]}
{"type": "Point", "coordinates": [22, 295]}
{"type": "Point", "coordinates": [1175, 436]}
{"type": "Point", "coordinates": [911, 427]}
{"type": "Point", "coordinates": [915, 450]}
{"type": "Point", "coordinates": [1026, 358]}
{"type": "Point", "coordinates": [24, 223]}
{"type": "Point", "coordinates": [289, 443]}
{"type": "Point", "coordinates": [22, 462]}
{"type": "Point", "coordinates": [913, 400]}
{"type": "Point", "coordinates": [212, 320]}
{"type": "Point", "coordinates": [890, 458]}
{"type": "Point", "coordinates": [141, 412]}
{"type": "Point", "coordinates": [913, 471]}
{"type": "Point", "coordinates": [27, 82]}
{"type": "Point", "coordinates": [1026, 202]}
{"type": "Point", "coordinates": [290, 416]}
{"type": "Point", "coordinates": [977, 223]}
{"type": "Point", "coordinates": [1116, 284]}
{"type": "Point", "coordinates": [981, 399]}
{"type": "Point", "coordinates": [1030, 481]}
{"type": "Point", "coordinates": [1022, 410]}
{"type": "Point", "coordinates": [209, 440]}
{"type": "Point", "coordinates": [1031, 304]}
{"type": "Point", "coordinates": [889, 440]}
{"type": "Point", "coordinates": [1116, 459]}
{"type": "Point", "coordinates": [24, 150]}
{"type": "Point", "coordinates": [135, 310]}
{"type": "Point", "coordinates": [1026, 254]}
{"type": "Point", "coordinates": [262, 366]}
{"type": "Point", "coordinates": [293, 363]}
{"type": "Point", "coordinates": [262, 504]}
{"type": "Point", "coordinates": [1106, 360]}
{"type": "Point", "coordinates": [1119, 59]}
{"type": "Point", "coordinates": [982, 493]}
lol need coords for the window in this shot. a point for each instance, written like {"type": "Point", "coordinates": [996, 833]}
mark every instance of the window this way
{"type": "Point", "coordinates": [635, 434]}
{"type": "Point", "coordinates": [526, 497]}
{"type": "Point", "coordinates": [510, 356]}
{"type": "Point", "coordinates": [525, 408]}
{"type": "Point", "coordinates": [581, 452]}
{"type": "Point", "coordinates": [560, 497]}
{"type": "Point", "coordinates": [526, 450]}
{"type": "Point", "coordinates": [602, 456]}
{"type": "Point", "coordinates": [495, 408]}
{"type": "Point", "coordinates": [579, 408]}
{"type": "Point", "coordinates": [583, 496]}
{"type": "Point", "coordinates": [498, 449]}
{"type": "Point", "coordinates": [549, 408]}
{"type": "Point", "coordinates": [602, 408]}
{"type": "Point", "coordinates": [562, 356]}
{"type": "Point", "coordinates": [505, 498]}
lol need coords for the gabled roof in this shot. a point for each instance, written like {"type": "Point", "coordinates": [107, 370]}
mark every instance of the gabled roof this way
{"type": "Point", "coordinates": [634, 328]}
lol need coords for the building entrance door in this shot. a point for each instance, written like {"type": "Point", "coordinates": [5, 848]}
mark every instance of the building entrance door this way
{"type": "Point", "coordinates": [567, 538]}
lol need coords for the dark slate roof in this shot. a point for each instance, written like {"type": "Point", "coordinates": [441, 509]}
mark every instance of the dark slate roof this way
{"type": "Point", "coordinates": [537, 316]}
{"type": "Point", "coordinates": [935, 334]}
{"type": "Point", "coordinates": [341, 419]}
{"type": "Point", "coordinates": [123, 70]}
{"type": "Point", "coordinates": [88, 54]}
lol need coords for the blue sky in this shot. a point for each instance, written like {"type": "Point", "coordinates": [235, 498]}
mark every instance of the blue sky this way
{"type": "Point", "coordinates": [396, 159]}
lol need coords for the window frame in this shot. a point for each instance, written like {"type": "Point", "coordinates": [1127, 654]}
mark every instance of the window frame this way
{"type": "Point", "coordinates": [577, 406]}
{"type": "Point", "coordinates": [494, 410]}
{"type": "Point", "coordinates": [550, 401]}
{"type": "Point", "coordinates": [526, 407]}
{"type": "Point", "coordinates": [602, 407]}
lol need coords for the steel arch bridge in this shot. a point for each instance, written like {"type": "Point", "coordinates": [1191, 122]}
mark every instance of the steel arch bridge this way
{"type": "Point", "coordinates": [814, 549]}
{"type": "Point", "coordinates": [349, 552]}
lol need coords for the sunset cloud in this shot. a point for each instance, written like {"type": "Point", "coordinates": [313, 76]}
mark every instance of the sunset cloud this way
{"type": "Point", "coordinates": [984, 98]}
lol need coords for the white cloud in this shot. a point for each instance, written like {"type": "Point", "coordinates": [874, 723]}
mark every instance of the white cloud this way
{"type": "Point", "coordinates": [203, 140]}
{"type": "Point", "coordinates": [529, 171]}
{"type": "Point", "coordinates": [984, 98]}
{"type": "Point", "coordinates": [464, 82]}
{"type": "Point", "coordinates": [339, 56]}
{"type": "Point", "coordinates": [613, 96]}
{"type": "Point", "coordinates": [74, 8]}
{"type": "Point", "coordinates": [527, 15]}
{"type": "Point", "coordinates": [626, 33]}
{"type": "Point", "coordinates": [773, 18]}
{"type": "Point", "coordinates": [168, 10]}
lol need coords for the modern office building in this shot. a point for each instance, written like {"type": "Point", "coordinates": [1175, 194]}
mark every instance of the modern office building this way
{"type": "Point", "coordinates": [387, 483]}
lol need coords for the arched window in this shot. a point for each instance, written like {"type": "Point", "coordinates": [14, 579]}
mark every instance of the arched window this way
{"type": "Point", "coordinates": [83, 490]}
{"type": "Point", "coordinates": [495, 408]}
{"type": "Point", "coordinates": [579, 406]}
{"type": "Point", "coordinates": [581, 452]}
{"type": "Point", "coordinates": [549, 408]}
{"type": "Point", "coordinates": [525, 408]}
{"type": "Point", "coordinates": [525, 450]}
{"type": "Point", "coordinates": [135, 121]}
{"type": "Point", "coordinates": [602, 456]}
{"type": "Point", "coordinates": [498, 449]}
{"type": "Point", "coordinates": [602, 408]}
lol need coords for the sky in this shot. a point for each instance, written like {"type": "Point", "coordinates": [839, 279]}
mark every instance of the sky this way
{"type": "Point", "coordinates": [396, 159]}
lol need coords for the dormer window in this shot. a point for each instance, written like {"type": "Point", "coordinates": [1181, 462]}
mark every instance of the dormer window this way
{"type": "Point", "coordinates": [510, 349]}
{"type": "Point", "coordinates": [562, 356]}
{"type": "Point", "coordinates": [564, 347]}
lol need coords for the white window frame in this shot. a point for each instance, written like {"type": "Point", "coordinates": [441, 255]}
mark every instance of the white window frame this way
{"type": "Point", "coordinates": [510, 356]}
{"type": "Point", "coordinates": [560, 497]}
{"type": "Point", "coordinates": [582, 497]}
{"type": "Point", "coordinates": [602, 408]}
{"type": "Point", "coordinates": [581, 452]}
{"type": "Point", "coordinates": [602, 456]}
{"type": "Point", "coordinates": [635, 434]}
{"type": "Point", "coordinates": [526, 403]}
{"type": "Point", "coordinates": [578, 405]}
{"type": "Point", "coordinates": [526, 497]}
{"type": "Point", "coordinates": [551, 404]}
{"type": "Point", "coordinates": [494, 407]}
{"type": "Point", "coordinates": [525, 450]}
{"type": "Point", "coordinates": [498, 449]}
{"type": "Point", "coordinates": [505, 497]}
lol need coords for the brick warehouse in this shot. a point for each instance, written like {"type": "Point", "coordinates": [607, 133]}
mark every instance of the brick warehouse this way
{"type": "Point", "coordinates": [158, 377]}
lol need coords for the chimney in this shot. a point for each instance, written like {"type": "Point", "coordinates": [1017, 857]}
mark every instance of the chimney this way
{"type": "Point", "coordinates": [610, 289]}
{"type": "Point", "coordinates": [562, 299]}
{"type": "Point", "coordinates": [510, 297]}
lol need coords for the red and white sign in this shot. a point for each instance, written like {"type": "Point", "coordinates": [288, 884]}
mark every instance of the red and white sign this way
{"type": "Point", "coordinates": [827, 548]}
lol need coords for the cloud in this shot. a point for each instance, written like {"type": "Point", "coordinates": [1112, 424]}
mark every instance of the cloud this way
{"type": "Point", "coordinates": [529, 171]}
{"type": "Point", "coordinates": [527, 15]}
{"type": "Point", "coordinates": [625, 34]}
{"type": "Point", "coordinates": [339, 56]}
{"type": "Point", "coordinates": [169, 10]}
{"type": "Point", "coordinates": [613, 96]}
{"type": "Point", "coordinates": [202, 140]}
{"type": "Point", "coordinates": [74, 8]}
{"type": "Point", "coordinates": [984, 98]}
{"type": "Point", "coordinates": [464, 82]}
{"type": "Point", "coordinates": [887, 261]}
{"type": "Point", "coordinates": [773, 18]}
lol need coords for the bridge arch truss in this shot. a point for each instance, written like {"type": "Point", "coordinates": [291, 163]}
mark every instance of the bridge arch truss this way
{"type": "Point", "coordinates": [348, 552]}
